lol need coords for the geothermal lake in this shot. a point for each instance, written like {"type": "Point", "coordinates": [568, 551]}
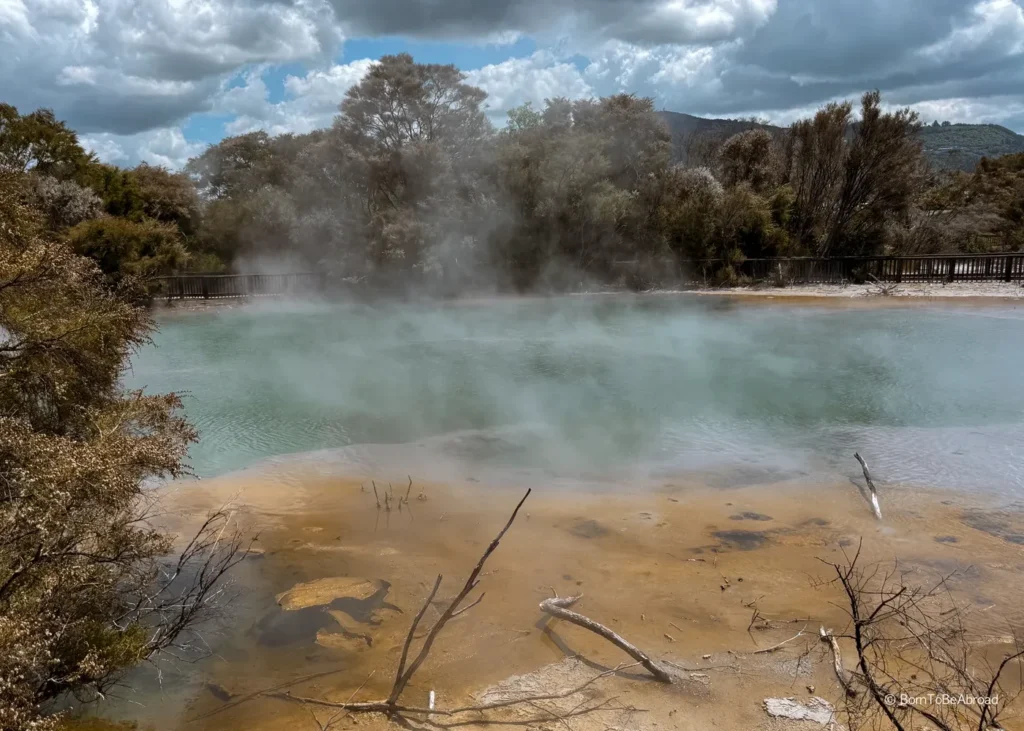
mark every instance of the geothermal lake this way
{"type": "Point", "coordinates": [606, 388]}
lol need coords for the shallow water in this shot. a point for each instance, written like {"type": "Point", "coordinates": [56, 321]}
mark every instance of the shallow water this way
{"type": "Point", "coordinates": [676, 570]}
{"type": "Point", "coordinates": [610, 386]}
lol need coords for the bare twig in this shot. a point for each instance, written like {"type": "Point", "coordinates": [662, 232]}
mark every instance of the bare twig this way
{"type": "Point", "coordinates": [773, 648]}
{"type": "Point", "coordinates": [883, 289]}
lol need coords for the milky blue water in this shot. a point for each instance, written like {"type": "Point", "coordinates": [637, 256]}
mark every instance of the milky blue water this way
{"type": "Point", "coordinates": [595, 385]}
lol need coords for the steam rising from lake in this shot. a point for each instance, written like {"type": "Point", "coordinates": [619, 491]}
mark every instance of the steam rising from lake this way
{"type": "Point", "coordinates": [603, 388]}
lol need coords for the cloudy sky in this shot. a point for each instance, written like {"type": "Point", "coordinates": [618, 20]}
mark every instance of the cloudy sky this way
{"type": "Point", "coordinates": [157, 80]}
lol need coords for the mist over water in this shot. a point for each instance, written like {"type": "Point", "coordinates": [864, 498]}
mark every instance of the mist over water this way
{"type": "Point", "coordinates": [605, 387]}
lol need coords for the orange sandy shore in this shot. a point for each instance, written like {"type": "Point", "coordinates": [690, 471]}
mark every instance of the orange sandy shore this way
{"type": "Point", "coordinates": [680, 570]}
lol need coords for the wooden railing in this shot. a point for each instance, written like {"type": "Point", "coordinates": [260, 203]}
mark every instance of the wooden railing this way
{"type": "Point", "coordinates": [795, 270]}
{"type": "Point", "coordinates": [208, 286]}
{"type": "Point", "coordinates": [957, 268]}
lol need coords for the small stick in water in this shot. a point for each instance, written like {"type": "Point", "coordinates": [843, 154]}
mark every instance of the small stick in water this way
{"type": "Point", "coordinates": [837, 661]}
{"type": "Point", "coordinates": [408, 490]}
{"type": "Point", "coordinates": [375, 495]}
{"type": "Point", "coordinates": [871, 486]}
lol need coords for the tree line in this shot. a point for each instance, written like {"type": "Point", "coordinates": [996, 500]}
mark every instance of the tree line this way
{"type": "Point", "coordinates": [412, 181]}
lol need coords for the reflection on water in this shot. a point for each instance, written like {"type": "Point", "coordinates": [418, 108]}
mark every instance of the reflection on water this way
{"type": "Point", "coordinates": [608, 387]}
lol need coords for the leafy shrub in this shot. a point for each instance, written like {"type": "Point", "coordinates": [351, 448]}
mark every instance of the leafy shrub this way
{"type": "Point", "coordinates": [123, 247]}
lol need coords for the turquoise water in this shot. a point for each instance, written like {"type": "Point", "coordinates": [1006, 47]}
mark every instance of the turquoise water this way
{"type": "Point", "coordinates": [591, 385]}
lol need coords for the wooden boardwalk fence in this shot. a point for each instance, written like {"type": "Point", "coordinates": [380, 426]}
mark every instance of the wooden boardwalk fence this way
{"type": "Point", "coordinates": [795, 270]}
{"type": "Point", "coordinates": [898, 269]}
{"type": "Point", "coordinates": [210, 286]}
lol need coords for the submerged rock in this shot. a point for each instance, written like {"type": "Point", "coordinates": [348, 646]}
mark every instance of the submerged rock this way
{"type": "Point", "coordinates": [588, 529]}
{"type": "Point", "coordinates": [324, 591]}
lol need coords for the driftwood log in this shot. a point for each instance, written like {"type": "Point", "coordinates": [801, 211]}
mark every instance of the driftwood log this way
{"type": "Point", "coordinates": [559, 607]}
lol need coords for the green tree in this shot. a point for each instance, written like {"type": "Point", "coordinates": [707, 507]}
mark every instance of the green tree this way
{"type": "Point", "coordinates": [748, 157]}
{"type": "Point", "coordinates": [122, 247]}
{"type": "Point", "coordinates": [849, 179]}
{"type": "Point", "coordinates": [39, 142]}
{"type": "Point", "coordinates": [238, 166]}
{"type": "Point", "coordinates": [146, 191]}
{"type": "Point", "coordinates": [410, 141]}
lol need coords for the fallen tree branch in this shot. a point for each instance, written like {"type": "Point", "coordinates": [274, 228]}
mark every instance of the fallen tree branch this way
{"type": "Point", "coordinates": [871, 485]}
{"type": "Point", "coordinates": [837, 660]}
{"type": "Point", "coordinates": [559, 608]}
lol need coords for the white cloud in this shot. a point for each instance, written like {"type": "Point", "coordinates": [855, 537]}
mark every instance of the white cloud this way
{"type": "Point", "coordinates": [311, 100]}
{"type": "Point", "coordinates": [998, 26]}
{"type": "Point", "coordinates": [1008, 110]}
{"type": "Point", "coordinates": [128, 73]}
{"type": "Point", "coordinates": [321, 90]}
{"type": "Point", "coordinates": [518, 80]}
{"type": "Point", "coordinates": [125, 66]}
{"type": "Point", "coordinates": [687, 22]}
{"type": "Point", "coordinates": [167, 147]}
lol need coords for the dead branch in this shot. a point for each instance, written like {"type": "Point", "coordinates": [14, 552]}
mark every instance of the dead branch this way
{"type": "Point", "coordinates": [391, 706]}
{"type": "Point", "coordinates": [910, 644]}
{"type": "Point", "coordinates": [190, 591]}
{"type": "Point", "coordinates": [394, 709]}
{"type": "Point", "coordinates": [560, 608]}
{"type": "Point", "coordinates": [773, 648]}
{"type": "Point", "coordinates": [404, 675]}
{"type": "Point", "coordinates": [837, 660]}
{"type": "Point", "coordinates": [871, 486]}
{"type": "Point", "coordinates": [883, 289]}
{"type": "Point", "coordinates": [265, 692]}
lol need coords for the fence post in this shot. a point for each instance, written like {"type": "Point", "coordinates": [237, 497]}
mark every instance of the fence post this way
{"type": "Point", "coordinates": [206, 288]}
{"type": "Point", "coordinates": [899, 271]}
{"type": "Point", "coordinates": [1008, 274]}
{"type": "Point", "coordinates": [951, 263]}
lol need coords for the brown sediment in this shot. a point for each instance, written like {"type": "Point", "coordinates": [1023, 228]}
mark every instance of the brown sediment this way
{"type": "Point", "coordinates": [670, 569]}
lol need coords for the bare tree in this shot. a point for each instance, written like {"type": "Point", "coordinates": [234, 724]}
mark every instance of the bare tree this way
{"type": "Point", "coordinates": [916, 660]}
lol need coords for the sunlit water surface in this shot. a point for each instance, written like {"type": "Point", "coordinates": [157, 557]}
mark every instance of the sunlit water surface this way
{"type": "Point", "coordinates": [600, 387]}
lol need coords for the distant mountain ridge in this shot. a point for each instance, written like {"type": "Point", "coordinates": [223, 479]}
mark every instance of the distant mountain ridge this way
{"type": "Point", "coordinates": [947, 146]}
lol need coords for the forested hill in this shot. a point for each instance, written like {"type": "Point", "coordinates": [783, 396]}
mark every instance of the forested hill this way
{"type": "Point", "coordinates": [947, 146]}
{"type": "Point", "coordinates": [960, 146]}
